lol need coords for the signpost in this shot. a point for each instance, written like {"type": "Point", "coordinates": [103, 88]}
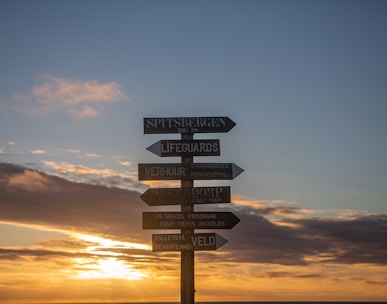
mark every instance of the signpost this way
{"type": "Point", "coordinates": [181, 196]}
{"type": "Point", "coordinates": [187, 242]}
{"type": "Point", "coordinates": [180, 242]}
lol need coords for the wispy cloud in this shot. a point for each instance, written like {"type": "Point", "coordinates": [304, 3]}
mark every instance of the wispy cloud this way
{"type": "Point", "coordinates": [106, 177]}
{"type": "Point", "coordinates": [161, 183]}
{"type": "Point", "coordinates": [125, 163]}
{"type": "Point", "coordinates": [80, 98]}
{"type": "Point", "coordinates": [92, 155]}
{"type": "Point", "coordinates": [29, 180]}
{"type": "Point", "coordinates": [75, 151]}
{"type": "Point", "coordinates": [38, 151]}
{"type": "Point", "coordinates": [31, 197]}
{"type": "Point", "coordinates": [6, 148]}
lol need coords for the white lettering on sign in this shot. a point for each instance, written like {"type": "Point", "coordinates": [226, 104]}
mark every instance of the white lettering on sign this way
{"type": "Point", "coordinates": [166, 223]}
{"type": "Point", "coordinates": [186, 122]}
{"type": "Point", "coordinates": [164, 171]}
{"type": "Point", "coordinates": [172, 247]}
{"type": "Point", "coordinates": [209, 174]}
{"type": "Point", "coordinates": [173, 216]}
{"type": "Point", "coordinates": [189, 147]}
{"type": "Point", "coordinates": [207, 200]}
{"type": "Point", "coordinates": [212, 166]}
{"type": "Point", "coordinates": [202, 240]}
{"type": "Point", "coordinates": [206, 192]}
{"type": "Point", "coordinates": [202, 216]}
{"type": "Point", "coordinates": [168, 237]}
{"type": "Point", "coordinates": [186, 224]}
{"type": "Point", "coordinates": [212, 224]}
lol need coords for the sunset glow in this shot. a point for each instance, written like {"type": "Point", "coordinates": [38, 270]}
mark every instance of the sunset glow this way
{"type": "Point", "coordinates": [106, 262]}
{"type": "Point", "coordinates": [285, 107]}
{"type": "Point", "coordinates": [105, 268]}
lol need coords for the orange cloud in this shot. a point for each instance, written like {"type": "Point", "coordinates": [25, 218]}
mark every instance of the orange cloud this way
{"type": "Point", "coordinates": [72, 91]}
{"type": "Point", "coordinates": [38, 152]}
{"type": "Point", "coordinates": [83, 99]}
{"type": "Point", "coordinates": [106, 177]}
{"type": "Point", "coordinates": [318, 259]}
{"type": "Point", "coordinates": [29, 180]}
{"type": "Point", "coordinates": [86, 112]}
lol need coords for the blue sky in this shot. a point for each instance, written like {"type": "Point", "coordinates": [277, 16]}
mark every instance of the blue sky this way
{"type": "Point", "coordinates": [305, 82]}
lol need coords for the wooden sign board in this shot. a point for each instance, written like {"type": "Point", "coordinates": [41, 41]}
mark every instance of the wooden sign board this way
{"type": "Point", "coordinates": [189, 220]}
{"type": "Point", "coordinates": [173, 148]}
{"type": "Point", "coordinates": [181, 196]}
{"type": "Point", "coordinates": [194, 171]}
{"type": "Point", "coordinates": [160, 125]}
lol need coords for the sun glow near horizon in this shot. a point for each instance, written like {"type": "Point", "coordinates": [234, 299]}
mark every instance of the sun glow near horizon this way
{"type": "Point", "coordinates": [105, 268]}
{"type": "Point", "coordinates": [84, 264]}
{"type": "Point", "coordinates": [107, 259]}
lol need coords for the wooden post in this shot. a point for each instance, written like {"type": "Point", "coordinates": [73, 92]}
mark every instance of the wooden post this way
{"type": "Point", "coordinates": [187, 127]}
{"type": "Point", "coordinates": [187, 275]}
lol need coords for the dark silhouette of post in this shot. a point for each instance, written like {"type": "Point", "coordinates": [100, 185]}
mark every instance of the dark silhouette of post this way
{"type": "Point", "coordinates": [188, 195]}
{"type": "Point", "coordinates": [187, 276]}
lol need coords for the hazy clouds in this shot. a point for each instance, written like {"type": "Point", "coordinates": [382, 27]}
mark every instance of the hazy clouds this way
{"type": "Point", "coordinates": [80, 98]}
{"type": "Point", "coordinates": [32, 197]}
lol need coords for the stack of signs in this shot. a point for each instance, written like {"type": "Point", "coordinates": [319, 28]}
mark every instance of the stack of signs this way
{"type": "Point", "coordinates": [187, 172]}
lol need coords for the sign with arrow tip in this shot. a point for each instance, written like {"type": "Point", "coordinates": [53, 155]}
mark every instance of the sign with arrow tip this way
{"type": "Point", "coordinates": [194, 171]}
{"type": "Point", "coordinates": [181, 242]}
{"type": "Point", "coordinates": [181, 196]}
{"type": "Point", "coordinates": [171, 148]}
{"type": "Point", "coordinates": [159, 125]}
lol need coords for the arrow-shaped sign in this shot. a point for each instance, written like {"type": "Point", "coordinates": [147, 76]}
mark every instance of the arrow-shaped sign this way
{"type": "Point", "coordinates": [189, 220]}
{"type": "Point", "coordinates": [171, 148]}
{"type": "Point", "coordinates": [195, 171]}
{"type": "Point", "coordinates": [181, 196]}
{"type": "Point", "coordinates": [159, 125]}
{"type": "Point", "coordinates": [181, 242]}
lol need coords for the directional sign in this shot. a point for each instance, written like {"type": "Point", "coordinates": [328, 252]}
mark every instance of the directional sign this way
{"type": "Point", "coordinates": [195, 171]}
{"type": "Point", "coordinates": [203, 147]}
{"type": "Point", "coordinates": [158, 125]}
{"type": "Point", "coordinates": [181, 196]}
{"type": "Point", "coordinates": [189, 220]}
{"type": "Point", "coordinates": [180, 242]}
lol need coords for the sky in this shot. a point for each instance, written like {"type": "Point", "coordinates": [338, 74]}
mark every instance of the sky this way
{"type": "Point", "coordinates": [304, 81]}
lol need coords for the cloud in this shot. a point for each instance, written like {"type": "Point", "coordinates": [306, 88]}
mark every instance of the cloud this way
{"type": "Point", "coordinates": [83, 99]}
{"type": "Point", "coordinates": [106, 177]}
{"type": "Point", "coordinates": [75, 151]}
{"type": "Point", "coordinates": [7, 148]}
{"type": "Point", "coordinates": [29, 180]}
{"type": "Point", "coordinates": [309, 240]}
{"type": "Point", "coordinates": [38, 152]}
{"type": "Point", "coordinates": [296, 240]}
{"type": "Point", "coordinates": [125, 163]}
{"type": "Point", "coordinates": [32, 197]}
{"type": "Point", "coordinates": [92, 155]}
{"type": "Point", "coordinates": [85, 112]}
{"type": "Point", "coordinates": [72, 92]}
